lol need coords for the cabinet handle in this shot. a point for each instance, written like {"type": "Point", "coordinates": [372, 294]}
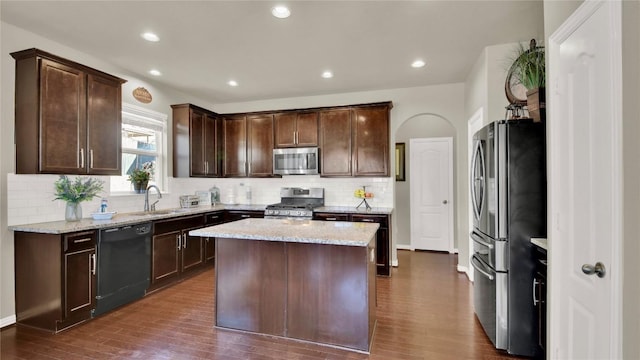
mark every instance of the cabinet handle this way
{"type": "Point", "coordinates": [76, 241]}
{"type": "Point", "coordinates": [91, 159]}
{"type": "Point", "coordinates": [245, 216]}
{"type": "Point", "coordinates": [331, 219]}
{"type": "Point", "coordinates": [367, 220]}
{"type": "Point", "coordinates": [212, 217]}
{"type": "Point", "coordinates": [93, 266]}
{"type": "Point", "coordinates": [81, 158]}
{"type": "Point", "coordinates": [184, 241]}
{"type": "Point", "coordinates": [178, 242]}
{"type": "Point", "coordinates": [535, 286]}
{"type": "Point", "coordinates": [295, 137]}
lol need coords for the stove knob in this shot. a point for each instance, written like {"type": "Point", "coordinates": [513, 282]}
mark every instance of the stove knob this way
{"type": "Point", "coordinates": [275, 212]}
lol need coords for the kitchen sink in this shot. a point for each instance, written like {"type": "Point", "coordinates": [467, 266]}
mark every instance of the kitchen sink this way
{"type": "Point", "coordinates": [159, 212]}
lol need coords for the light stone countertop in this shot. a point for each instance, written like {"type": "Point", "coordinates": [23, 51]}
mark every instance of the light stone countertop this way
{"type": "Point", "coordinates": [540, 242]}
{"type": "Point", "coordinates": [63, 227]}
{"type": "Point", "coordinates": [299, 231]}
{"type": "Point", "coordinates": [353, 210]}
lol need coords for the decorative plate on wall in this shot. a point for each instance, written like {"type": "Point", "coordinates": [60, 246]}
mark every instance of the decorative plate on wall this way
{"type": "Point", "coordinates": [143, 95]}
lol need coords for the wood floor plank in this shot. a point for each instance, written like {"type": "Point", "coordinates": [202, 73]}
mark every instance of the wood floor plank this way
{"type": "Point", "coordinates": [425, 311]}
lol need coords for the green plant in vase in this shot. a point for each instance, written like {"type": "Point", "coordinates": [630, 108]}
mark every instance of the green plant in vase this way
{"type": "Point", "coordinates": [140, 177]}
{"type": "Point", "coordinates": [73, 192]}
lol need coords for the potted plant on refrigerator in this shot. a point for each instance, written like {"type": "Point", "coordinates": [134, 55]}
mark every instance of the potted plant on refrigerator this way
{"type": "Point", "coordinates": [529, 70]}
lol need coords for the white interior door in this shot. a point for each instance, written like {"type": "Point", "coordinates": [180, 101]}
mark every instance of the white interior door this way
{"type": "Point", "coordinates": [431, 187]}
{"type": "Point", "coordinates": [585, 176]}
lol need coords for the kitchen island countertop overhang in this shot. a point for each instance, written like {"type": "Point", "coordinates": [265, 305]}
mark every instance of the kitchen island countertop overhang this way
{"type": "Point", "coordinates": [306, 280]}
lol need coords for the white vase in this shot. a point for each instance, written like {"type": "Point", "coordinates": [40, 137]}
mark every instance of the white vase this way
{"type": "Point", "coordinates": [73, 211]}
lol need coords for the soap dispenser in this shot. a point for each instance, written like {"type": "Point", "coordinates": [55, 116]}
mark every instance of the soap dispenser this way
{"type": "Point", "coordinates": [215, 195]}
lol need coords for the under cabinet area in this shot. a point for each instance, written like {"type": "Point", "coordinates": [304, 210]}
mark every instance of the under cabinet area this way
{"type": "Point", "coordinates": [67, 115]}
{"type": "Point", "coordinates": [197, 142]}
{"type": "Point", "coordinates": [55, 276]}
{"type": "Point", "coordinates": [383, 240]}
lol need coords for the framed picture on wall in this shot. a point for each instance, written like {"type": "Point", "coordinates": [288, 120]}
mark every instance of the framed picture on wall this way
{"type": "Point", "coordinates": [400, 162]}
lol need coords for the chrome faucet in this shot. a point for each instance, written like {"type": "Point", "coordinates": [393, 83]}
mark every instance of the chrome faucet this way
{"type": "Point", "coordinates": [146, 198]}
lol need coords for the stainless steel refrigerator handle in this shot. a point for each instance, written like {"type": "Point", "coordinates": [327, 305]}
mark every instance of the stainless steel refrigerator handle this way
{"type": "Point", "coordinates": [476, 209]}
{"type": "Point", "coordinates": [479, 240]}
{"type": "Point", "coordinates": [474, 260]}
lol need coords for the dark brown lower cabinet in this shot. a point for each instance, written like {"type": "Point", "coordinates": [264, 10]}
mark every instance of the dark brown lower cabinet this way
{"type": "Point", "coordinates": [211, 219]}
{"type": "Point", "coordinates": [55, 279]}
{"type": "Point", "coordinates": [383, 241]}
{"type": "Point", "coordinates": [173, 252]}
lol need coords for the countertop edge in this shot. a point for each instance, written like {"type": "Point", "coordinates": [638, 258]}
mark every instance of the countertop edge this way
{"type": "Point", "coordinates": [540, 242]}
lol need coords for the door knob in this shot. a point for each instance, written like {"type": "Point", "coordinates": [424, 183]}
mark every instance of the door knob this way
{"type": "Point", "coordinates": [445, 202]}
{"type": "Point", "coordinates": [598, 269]}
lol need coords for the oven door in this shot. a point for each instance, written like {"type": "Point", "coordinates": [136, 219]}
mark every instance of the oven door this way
{"type": "Point", "coordinates": [490, 301]}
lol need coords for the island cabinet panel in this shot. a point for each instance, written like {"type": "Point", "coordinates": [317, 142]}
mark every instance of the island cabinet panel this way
{"type": "Point", "coordinates": [67, 115]}
{"type": "Point", "coordinates": [235, 146]}
{"type": "Point", "coordinates": [250, 285]}
{"type": "Point", "coordinates": [318, 307]}
{"type": "Point", "coordinates": [335, 142]}
{"type": "Point", "coordinates": [55, 279]}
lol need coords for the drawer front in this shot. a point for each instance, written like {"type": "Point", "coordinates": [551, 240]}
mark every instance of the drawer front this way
{"type": "Point", "coordinates": [383, 220]}
{"type": "Point", "coordinates": [177, 224]}
{"type": "Point", "coordinates": [331, 216]}
{"type": "Point", "coordinates": [214, 218]}
{"type": "Point", "coordinates": [79, 241]}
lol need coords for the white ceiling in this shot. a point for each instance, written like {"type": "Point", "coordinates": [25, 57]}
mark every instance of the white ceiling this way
{"type": "Point", "coordinates": [369, 45]}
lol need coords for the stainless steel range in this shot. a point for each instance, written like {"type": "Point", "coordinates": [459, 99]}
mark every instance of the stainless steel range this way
{"type": "Point", "coordinates": [295, 203]}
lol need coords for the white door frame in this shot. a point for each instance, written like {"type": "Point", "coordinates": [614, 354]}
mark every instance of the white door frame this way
{"type": "Point", "coordinates": [558, 252]}
{"type": "Point", "coordinates": [475, 123]}
{"type": "Point", "coordinates": [450, 197]}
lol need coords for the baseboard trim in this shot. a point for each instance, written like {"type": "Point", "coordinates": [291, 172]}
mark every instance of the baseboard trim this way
{"type": "Point", "coordinates": [394, 263]}
{"type": "Point", "coordinates": [404, 247]}
{"type": "Point", "coordinates": [6, 321]}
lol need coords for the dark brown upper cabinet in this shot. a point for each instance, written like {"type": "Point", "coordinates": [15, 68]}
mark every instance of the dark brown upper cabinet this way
{"type": "Point", "coordinates": [354, 141]}
{"type": "Point", "coordinates": [248, 145]}
{"type": "Point", "coordinates": [68, 117]}
{"type": "Point", "coordinates": [296, 129]}
{"type": "Point", "coordinates": [197, 142]}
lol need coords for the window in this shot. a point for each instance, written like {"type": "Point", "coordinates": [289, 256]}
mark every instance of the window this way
{"type": "Point", "coordinates": [143, 142]}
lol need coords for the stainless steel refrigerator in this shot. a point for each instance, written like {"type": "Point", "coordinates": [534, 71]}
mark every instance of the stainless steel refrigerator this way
{"type": "Point", "coordinates": [508, 193]}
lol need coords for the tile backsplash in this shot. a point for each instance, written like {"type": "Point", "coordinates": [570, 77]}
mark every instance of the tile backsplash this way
{"type": "Point", "coordinates": [30, 197]}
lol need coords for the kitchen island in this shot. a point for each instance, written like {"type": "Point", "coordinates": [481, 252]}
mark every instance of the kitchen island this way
{"type": "Point", "coordinates": [301, 279]}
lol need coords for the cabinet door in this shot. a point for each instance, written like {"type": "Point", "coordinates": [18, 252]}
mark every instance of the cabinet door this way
{"type": "Point", "coordinates": [235, 146]}
{"type": "Point", "coordinates": [260, 145]}
{"type": "Point", "coordinates": [335, 142]}
{"type": "Point", "coordinates": [211, 132]}
{"type": "Point", "coordinates": [192, 252]}
{"type": "Point", "coordinates": [197, 143]}
{"type": "Point", "coordinates": [331, 216]}
{"type": "Point", "coordinates": [79, 275]}
{"type": "Point", "coordinates": [104, 126]}
{"type": "Point", "coordinates": [307, 129]}
{"type": "Point", "coordinates": [165, 249]}
{"type": "Point", "coordinates": [371, 141]}
{"type": "Point", "coordinates": [63, 123]}
{"type": "Point", "coordinates": [285, 130]}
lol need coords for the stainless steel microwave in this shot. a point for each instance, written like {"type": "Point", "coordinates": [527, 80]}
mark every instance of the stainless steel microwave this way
{"type": "Point", "coordinates": [295, 161]}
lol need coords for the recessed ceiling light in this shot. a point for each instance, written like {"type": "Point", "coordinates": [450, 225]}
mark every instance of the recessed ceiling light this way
{"type": "Point", "coordinates": [149, 36]}
{"type": "Point", "coordinates": [327, 74]}
{"type": "Point", "coordinates": [155, 72]}
{"type": "Point", "coordinates": [281, 12]}
{"type": "Point", "coordinates": [232, 83]}
{"type": "Point", "coordinates": [418, 64]}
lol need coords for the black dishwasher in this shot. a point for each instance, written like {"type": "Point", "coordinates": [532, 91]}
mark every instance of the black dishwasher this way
{"type": "Point", "coordinates": [123, 262]}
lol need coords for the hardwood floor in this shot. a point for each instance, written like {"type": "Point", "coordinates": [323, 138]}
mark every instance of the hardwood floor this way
{"type": "Point", "coordinates": [425, 311]}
